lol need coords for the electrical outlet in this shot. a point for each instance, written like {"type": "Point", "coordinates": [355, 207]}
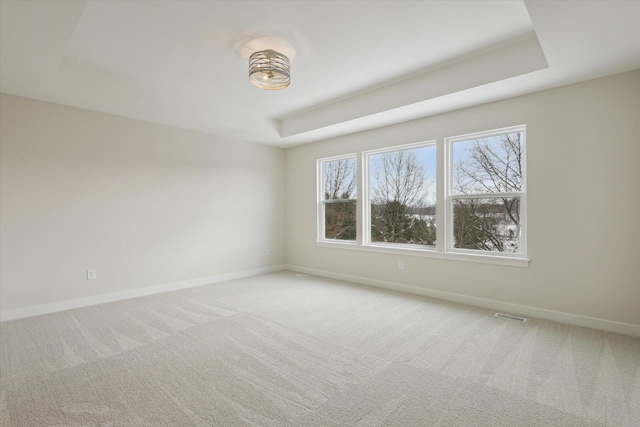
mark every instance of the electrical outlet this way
{"type": "Point", "coordinates": [400, 265]}
{"type": "Point", "coordinates": [267, 252]}
{"type": "Point", "coordinates": [91, 274]}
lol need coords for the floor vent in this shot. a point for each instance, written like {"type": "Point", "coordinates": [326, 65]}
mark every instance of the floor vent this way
{"type": "Point", "coordinates": [508, 316]}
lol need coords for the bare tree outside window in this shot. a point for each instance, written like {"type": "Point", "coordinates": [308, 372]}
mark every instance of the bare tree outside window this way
{"type": "Point", "coordinates": [339, 199]}
{"type": "Point", "coordinates": [401, 194]}
{"type": "Point", "coordinates": [484, 196]}
{"type": "Point", "coordinates": [487, 185]}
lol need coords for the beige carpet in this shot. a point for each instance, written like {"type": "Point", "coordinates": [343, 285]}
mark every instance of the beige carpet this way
{"type": "Point", "coordinates": [289, 350]}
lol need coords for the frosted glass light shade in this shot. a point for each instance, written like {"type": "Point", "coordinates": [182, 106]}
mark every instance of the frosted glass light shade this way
{"type": "Point", "coordinates": [269, 70]}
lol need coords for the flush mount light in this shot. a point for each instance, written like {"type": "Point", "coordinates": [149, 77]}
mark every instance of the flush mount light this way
{"type": "Point", "coordinates": [269, 70]}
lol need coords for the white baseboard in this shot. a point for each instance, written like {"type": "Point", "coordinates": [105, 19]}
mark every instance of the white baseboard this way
{"type": "Point", "coordinates": [521, 310]}
{"type": "Point", "coordinates": [37, 310]}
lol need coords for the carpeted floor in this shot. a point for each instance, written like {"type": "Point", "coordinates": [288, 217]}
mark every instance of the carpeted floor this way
{"type": "Point", "coordinates": [291, 350]}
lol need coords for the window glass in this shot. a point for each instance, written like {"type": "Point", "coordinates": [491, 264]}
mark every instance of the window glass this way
{"type": "Point", "coordinates": [391, 207]}
{"type": "Point", "coordinates": [488, 165]}
{"type": "Point", "coordinates": [339, 194]}
{"type": "Point", "coordinates": [340, 221]}
{"type": "Point", "coordinates": [487, 224]}
{"type": "Point", "coordinates": [402, 196]}
{"type": "Point", "coordinates": [487, 177]}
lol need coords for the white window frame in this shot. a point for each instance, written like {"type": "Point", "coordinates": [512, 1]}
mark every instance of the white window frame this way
{"type": "Point", "coordinates": [366, 195]}
{"type": "Point", "coordinates": [450, 196]}
{"type": "Point", "coordinates": [444, 206]}
{"type": "Point", "coordinates": [321, 202]}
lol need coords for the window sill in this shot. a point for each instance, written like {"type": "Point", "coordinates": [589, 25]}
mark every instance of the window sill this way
{"type": "Point", "coordinates": [428, 253]}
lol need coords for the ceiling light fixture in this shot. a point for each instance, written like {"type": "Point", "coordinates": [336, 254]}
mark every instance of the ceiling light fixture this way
{"type": "Point", "coordinates": [269, 70]}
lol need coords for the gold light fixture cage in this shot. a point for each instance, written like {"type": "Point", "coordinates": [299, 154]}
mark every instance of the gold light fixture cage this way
{"type": "Point", "coordinates": [269, 70]}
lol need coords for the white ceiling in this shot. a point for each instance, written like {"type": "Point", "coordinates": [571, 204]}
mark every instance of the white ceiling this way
{"type": "Point", "coordinates": [358, 64]}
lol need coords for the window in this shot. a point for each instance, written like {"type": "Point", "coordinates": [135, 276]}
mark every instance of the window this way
{"type": "Point", "coordinates": [338, 196]}
{"type": "Point", "coordinates": [486, 190]}
{"type": "Point", "coordinates": [401, 195]}
{"type": "Point", "coordinates": [461, 198]}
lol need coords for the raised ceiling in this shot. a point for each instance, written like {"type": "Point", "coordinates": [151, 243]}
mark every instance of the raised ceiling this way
{"type": "Point", "coordinates": [358, 64]}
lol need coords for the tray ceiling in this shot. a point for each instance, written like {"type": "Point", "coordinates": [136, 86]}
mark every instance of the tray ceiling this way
{"type": "Point", "coordinates": [358, 65]}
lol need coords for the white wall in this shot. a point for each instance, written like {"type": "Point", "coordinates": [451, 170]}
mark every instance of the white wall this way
{"type": "Point", "coordinates": [144, 204]}
{"type": "Point", "coordinates": [583, 147]}
{"type": "Point", "coordinates": [147, 205]}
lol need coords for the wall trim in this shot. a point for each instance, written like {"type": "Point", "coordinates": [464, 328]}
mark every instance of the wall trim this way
{"type": "Point", "coordinates": [521, 310]}
{"type": "Point", "coordinates": [36, 310]}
